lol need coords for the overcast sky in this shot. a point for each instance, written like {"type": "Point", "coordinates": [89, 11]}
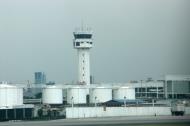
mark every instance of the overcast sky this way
{"type": "Point", "coordinates": [133, 39]}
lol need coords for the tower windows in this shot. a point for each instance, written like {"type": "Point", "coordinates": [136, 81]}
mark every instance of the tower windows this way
{"type": "Point", "coordinates": [77, 43]}
{"type": "Point", "coordinates": [83, 36]}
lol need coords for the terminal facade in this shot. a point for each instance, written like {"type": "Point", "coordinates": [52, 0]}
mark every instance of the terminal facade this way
{"type": "Point", "coordinates": [172, 87]}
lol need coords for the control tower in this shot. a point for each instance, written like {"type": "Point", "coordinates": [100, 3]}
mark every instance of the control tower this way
{"type": "Point", "coordinates": [83, 43]}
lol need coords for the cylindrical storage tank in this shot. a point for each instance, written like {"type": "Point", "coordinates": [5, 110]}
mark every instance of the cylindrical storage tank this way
{"type": "Point", "coordinates": [100, 94]}
{"type": "Point", "coordinates": [124, 92]}
{"type": "Point", "coordinates": [10, 95]}
{"type": "Point", "coordinates": [52, 95]}
{"type": "Point", "coordinates": [76, 95]}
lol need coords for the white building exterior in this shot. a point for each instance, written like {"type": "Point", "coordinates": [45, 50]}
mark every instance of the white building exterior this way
{"type": "Point", "coordinates": [86, 112]}
{"type": "Point", "coordinates": [83, 43]}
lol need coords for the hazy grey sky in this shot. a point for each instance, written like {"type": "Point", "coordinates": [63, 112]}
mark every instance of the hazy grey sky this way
{"type": "Point", "coordinates": [133, 39]}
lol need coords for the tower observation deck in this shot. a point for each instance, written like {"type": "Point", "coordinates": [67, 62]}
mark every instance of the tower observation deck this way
{"type": "Point", "coordinates": [83, 43]}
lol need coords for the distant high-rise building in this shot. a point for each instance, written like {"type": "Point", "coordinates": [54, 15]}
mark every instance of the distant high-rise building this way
{"type": "Point", "coordinates": [91, 79]}
{"type": "Point", "coordinates": [40, 78]}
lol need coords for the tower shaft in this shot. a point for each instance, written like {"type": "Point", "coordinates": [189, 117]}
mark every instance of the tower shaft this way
{"type": "Point", "coordinates": [84, 66]}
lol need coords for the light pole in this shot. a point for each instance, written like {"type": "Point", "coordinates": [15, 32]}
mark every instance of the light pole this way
{"type": "Point", "coordinates": [153, 102]}
{"type": "Point", "coordinates": [125, 101]}
{"type": "Point", "coordinates": [72, 101]}
{"type": "Point", "coordinates": [72, 106]}
{"type": "Point", "coordinates": [95, 101]}
{"type": "Point", "coordinates": [141, 90]}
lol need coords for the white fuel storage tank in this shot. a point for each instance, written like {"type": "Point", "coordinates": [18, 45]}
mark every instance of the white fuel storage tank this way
{"type": "Point", "coordinates": [52, 95]}
{"type": "Point", "coordinates": [10, 95]}
{"type": "Point", "coordinates": [124, 92]}
{"type": "Point", "coordinates": [100, 94]}
{"type": "Point", "coordinates": [76, 95]}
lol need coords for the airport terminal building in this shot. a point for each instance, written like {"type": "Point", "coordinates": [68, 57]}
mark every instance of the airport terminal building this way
{"type": "Point", "coordinates": [172, 87]}
{"type": "Point", "coordinates": [177, 86]}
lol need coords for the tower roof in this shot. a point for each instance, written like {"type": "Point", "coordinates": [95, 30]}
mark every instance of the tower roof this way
{"type": "Point", "coordinates": [83, 31]}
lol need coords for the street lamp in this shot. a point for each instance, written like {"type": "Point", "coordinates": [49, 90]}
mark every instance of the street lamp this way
{"type": "Point", "coordinates": [125, 101]}
{"type": "Point", "coordinates": [141, 90]}
{"type": "Point", "coordinates": [95, 101]}
{"type": "Point", "coordinates": [72, 101]}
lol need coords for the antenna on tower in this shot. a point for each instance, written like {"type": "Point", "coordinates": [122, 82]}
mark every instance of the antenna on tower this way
{"type": "Point", "coordinates": [82, 25]}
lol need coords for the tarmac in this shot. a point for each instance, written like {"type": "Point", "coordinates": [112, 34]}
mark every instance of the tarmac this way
{"type": "Point", "coordinates": [109, 121]}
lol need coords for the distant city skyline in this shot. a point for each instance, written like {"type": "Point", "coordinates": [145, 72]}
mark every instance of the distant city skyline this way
{"type": "Point", "coordinates": [133, 39]}
{"type": "Point", "coordinates": [40, 78]}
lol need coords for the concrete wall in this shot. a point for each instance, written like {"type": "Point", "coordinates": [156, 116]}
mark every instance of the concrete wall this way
{"type": "Point", "coordinates": [187, 110]}
{"type": "Point", "coordinates": [85, 112]}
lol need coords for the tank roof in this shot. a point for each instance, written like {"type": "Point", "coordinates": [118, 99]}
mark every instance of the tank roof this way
{"type": "Point", "coordinates": [6, 86]}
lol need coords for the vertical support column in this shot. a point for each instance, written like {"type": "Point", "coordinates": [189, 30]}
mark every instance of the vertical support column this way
{"type": "Point", "coordinates": [32, 113]}
{"type": "Point", "coordinates": [141, 90]}
{"type": "Point", "coordinates": [15, 114]}
{"type": "Point", "coordinates": [166, 89]}
{"type": "Point", "coordinates": [146, 91]}
{"type": "Point", "coordinates": [6, 114]}
{"type": "Point", "coordinates": [157, 92]}
{"type": "Point", "coordinates": [172, 90]}
{"type": "Point", "coordinates": [23, 113]}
